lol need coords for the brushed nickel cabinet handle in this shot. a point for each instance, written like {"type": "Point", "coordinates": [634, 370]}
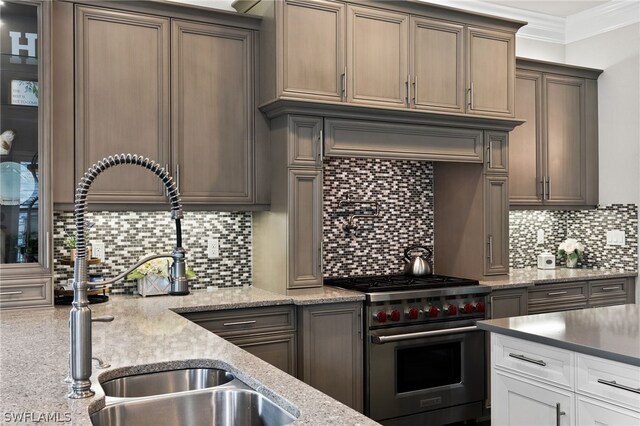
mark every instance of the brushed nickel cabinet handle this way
{"type": "Point", "coordinates": [415, 89]}
{"type": "Point", "coordinates": [548, 187]}
{"type": "Point", "coordinates": [544, 192]}
{"type": "Point", "coordinates": [321, 141]}
{"type": "Point", "coordinates": [618, 385]}
{"type": "Point", "coordinates": [344, 83]}
{"type": "Point", "coordinates": [47, 247]}
{"type": "Point", "coordinates": [558, 414]}
{"type": "Point", "coordinates": [527, 359]}
{"type": "Point", "coordinates": [490, 243]}
{"type": "Point", "coordinates": [9, 293]}
{"type": "Point", "coordinates": [611, 288]}
{"type": "Point", "coordinates": [178, 177]}
{"type": "Point", "coordinates": [471, 95]}
{"type": "Point", "coordinates": [489, 155]}
{"type": "Point", "coordinates": [406, 86]}
{"type": "Point", "coordinates": [230, 324]}
{"type": "Point", "coordinates": [556, 293]}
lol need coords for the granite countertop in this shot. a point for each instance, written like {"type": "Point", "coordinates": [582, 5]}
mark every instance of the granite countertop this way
{"type": "Point", "coordinates": [34, 346]}
{"type": "Point", "coordinates": [530, 277]}
{"type": "Point", "coordinates": [611, 332]}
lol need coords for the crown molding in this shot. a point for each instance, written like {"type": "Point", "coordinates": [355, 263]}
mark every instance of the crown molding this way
{"type": "Point", "coordinates": [601, 19]}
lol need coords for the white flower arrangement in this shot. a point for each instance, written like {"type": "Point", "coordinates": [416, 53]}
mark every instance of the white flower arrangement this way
{"type": "Point", "coordinates": [572, 250]}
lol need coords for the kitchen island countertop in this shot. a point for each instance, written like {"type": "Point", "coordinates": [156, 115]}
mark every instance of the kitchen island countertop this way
{"type": "Point", "coordinates": [611, 332]}
{"type": "Point", "coordinates": [529, 277]}
{"type": "Point", "coordinates": [148, 331]}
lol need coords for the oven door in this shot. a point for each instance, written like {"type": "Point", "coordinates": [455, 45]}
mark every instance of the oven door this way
{"type": "Point", "coordinates": [420, 371]}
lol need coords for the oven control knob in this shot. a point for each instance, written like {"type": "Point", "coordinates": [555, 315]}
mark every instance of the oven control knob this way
{"type": "Point", "coordinates": [452, 309]}
{"type": "Point", "coordinates": [381, 316]}
{"type": "Point", "coordinates": [480, 307]}
{"type": "Point", "coordinates": [433, 312]}
{"type": "Point", "coordinates": [395, 315]}
{"type": "Point", "coordinates": [467, 308]}
{"type": "Point", "coordinates": [413, 313]}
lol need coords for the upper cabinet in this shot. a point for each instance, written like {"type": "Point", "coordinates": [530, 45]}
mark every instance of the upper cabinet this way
{"type": "Point", "coordinates": [377, 66]}
{"type": "Point", "coordinates": [559, 104]}
{"type": "Point", "coordinates": [399, 55]}
{"type": "Point", "coordinates": [181, 93]}
{"type": "Point", "coordinates": [25, 155]}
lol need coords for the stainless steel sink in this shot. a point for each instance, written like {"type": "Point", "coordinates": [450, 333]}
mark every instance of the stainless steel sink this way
{"type": "Point", "coordinates": [232, 407]}
{"type": "Point", "coordinates": [164, 382]}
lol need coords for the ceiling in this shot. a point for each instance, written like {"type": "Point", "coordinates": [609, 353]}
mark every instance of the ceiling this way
{"type": "Point", "coordinates": [550, 7]}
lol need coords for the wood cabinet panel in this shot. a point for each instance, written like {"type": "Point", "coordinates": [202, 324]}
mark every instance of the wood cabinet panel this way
{"type": "Point", "coordinates": [565, 139]}
{"type": "Point", "coordinates": [305, 228]}
{"type": "Point", "coordinates": [592, 412]}
{"type": "Point", "coordinates": [122, 106]}
{"type": "Point", "coordinates": [305, 141]}
{"type": "Point", "coordinates": [437, 65]}
{"type": "Point", "coordinates": [331, 351]}
{"type": "Point", "coordinates": [525, 147]}
{"type": "Point", "coordinates": [313, 49]}
{"type": "Point", "coordinates": [508, 303]}
{"type": "Point", "coordinates": [212, 99]}
{"type": "Point", "coordinates": [496, 225]}
{"type": "Point", "coordinates": [278, 350]}
{"type": "Point", "coordinates": [490, 71]}
{"type": "Point", "coordinates": [496, 152]}
{"type": "Point", "coordinates": [377, 61]}
{"type": "Point", "coordinates": [557, 297]}
{"type": "Point", "coordinates": [26, 292]}
{"type": "Point", "coordinates": [243, 322]}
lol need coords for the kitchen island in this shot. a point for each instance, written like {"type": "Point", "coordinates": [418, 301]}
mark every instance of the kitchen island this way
{"type": "Point", "coordinates": [568, 368]}
{"type": "Point", "coordinates": [148, 332]}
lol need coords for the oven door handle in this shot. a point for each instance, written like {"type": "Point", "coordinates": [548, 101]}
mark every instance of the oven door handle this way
{"type": "Point", "coordinates": [379, 340]}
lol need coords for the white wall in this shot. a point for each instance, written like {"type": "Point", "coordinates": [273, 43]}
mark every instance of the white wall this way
{"type": "Point", "coordinates": [541, 50]}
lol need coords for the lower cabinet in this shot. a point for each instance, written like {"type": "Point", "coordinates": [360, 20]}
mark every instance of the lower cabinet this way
{"type": "Point", "coordinates": [508, 303]}
{"type": "Point", "coordinates": [518, 401]}
{"type": "Point", "coordinates": [591, 412]}
{"type": "Point", "coordinates": [330, 349]}
{"type": "Point", "coordinates": [278, 350]}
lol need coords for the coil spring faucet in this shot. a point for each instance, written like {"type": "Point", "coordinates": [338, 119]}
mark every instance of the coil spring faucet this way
{"type": "Point", "coordinates": [80, 317]}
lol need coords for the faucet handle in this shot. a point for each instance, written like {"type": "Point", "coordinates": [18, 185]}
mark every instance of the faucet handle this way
{"type": "Point", "coordinates": [107, 318]}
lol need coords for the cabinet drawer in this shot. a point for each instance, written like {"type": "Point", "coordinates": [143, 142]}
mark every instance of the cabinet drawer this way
{"type": "Point", "coordinates": [555, 297]}
{"type": "Point", "coordinates": [26, 293]}
{"type": "Point", "coordinates": [540, 362]}
{"type": "Point", "coordinates": [610, 292]}
{"type": "Point", "coordinates": [244, 322]}
{"type": "Point", "coordinates": [278, 350]}
{"type": "Point", "coordinates": [607, 380]}
{"type": "Point", "coordinates": [591, 412]}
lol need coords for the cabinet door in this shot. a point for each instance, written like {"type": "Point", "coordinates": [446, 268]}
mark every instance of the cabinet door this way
{"type": "Point", "coordinates": [491, 72]}
{"type": "Point", "coordinates": [305, 228]}
{"type": "Point", "coordinates": [331, 351]}
{"type": "Point", "coordinates": [437, 68]}
{"type": "Point", "coordinates": [496, 152]}
{"type": "Point", "coordinates": [518, 401]}
{"type": "Point", "coordinates": [592, 412]}
{"type": "Point", "coordinates": [212, 115]}
{"type": "Point", "coordinates": [508, 303]}
{"type": "Point", "coordinates": [122, 100]}
{"type": "Point", "coordinates": [525, 142]}
{"type": "Point", "coordinates": [313, 49]}
{"type": "Point", "coordinates": [305, 141]}
{"type": "Point", "coordinates": [377, 64]}
{"type": "Point", "coordinates": [496, 225]}
{"type": "Point", "coordinates": [278, 350]}
{"type": "Point", "coordinates": [564, 139]}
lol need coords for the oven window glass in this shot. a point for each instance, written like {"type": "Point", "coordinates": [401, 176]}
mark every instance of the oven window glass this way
{"type": "Point", "coordinates": [424, 367]}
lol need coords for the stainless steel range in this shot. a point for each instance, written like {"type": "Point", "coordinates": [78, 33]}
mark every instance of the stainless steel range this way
{"type": "Point", "coordinates": [424, 357]}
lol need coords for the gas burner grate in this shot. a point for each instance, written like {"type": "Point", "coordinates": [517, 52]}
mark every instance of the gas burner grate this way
{"type": "Point", "coordinates": [375, 283]}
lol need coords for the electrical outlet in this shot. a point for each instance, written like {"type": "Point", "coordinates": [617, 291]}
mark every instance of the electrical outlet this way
{"type": "Point", "coordinates": [98, 249]}
{"type": "Point", "coordinates": [213, 248]}
{"type": "Point", "coordinates": [540, 236]}
{"type": "Point", "coordinates": [615, 238]}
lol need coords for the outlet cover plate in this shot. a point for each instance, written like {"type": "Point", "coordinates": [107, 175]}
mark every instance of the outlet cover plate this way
{"type": "Point", "coordinates": [98, 249]}
{"type": "Point", "coordinates": [615, 238]}
{"type": "Point", "coordinates": [213, 248]}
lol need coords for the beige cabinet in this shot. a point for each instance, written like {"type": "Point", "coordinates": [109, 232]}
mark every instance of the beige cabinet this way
{"type": "Point", "coordinates": [212, 101]}
{"type": "Point", "coordinates": [313, 49]}
{"type": "Point", "coordinates": [437, 65]}
{"type": "Point", "coordinates": [496, 215]}
{"type": "Point", "coordinates": [507, 303]}
{"type": "Point", "coordinates": [182, 94]}
{"type": "Point", "coordinates": [377, 57]}
{"type": "Point", "coordinates": [555, 153]}
{"type": "Point", "coordinates": [330, 351]}
{"type": "Point", "coordinates": [122, 106]}
{"type": "Point", "coordinates": [287, 240]}
{"type": "Point", "coordinates": [490, 71]}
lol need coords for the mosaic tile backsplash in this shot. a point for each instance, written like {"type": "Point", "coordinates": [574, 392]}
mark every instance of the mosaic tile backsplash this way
{"type": "Point", "coordinates": [587, 226]}
{"type": "Point", "coordinates": [404, 191]}
{"type": "Point", "coordinates": [128, 236]}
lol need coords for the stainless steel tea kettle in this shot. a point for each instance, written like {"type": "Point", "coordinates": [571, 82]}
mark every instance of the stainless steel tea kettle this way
{"type": "Point", "coordinates": [417, 265]}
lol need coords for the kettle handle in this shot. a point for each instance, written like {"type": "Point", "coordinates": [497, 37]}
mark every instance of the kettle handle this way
{"type": "Point", "coordinates": [417, 246]}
